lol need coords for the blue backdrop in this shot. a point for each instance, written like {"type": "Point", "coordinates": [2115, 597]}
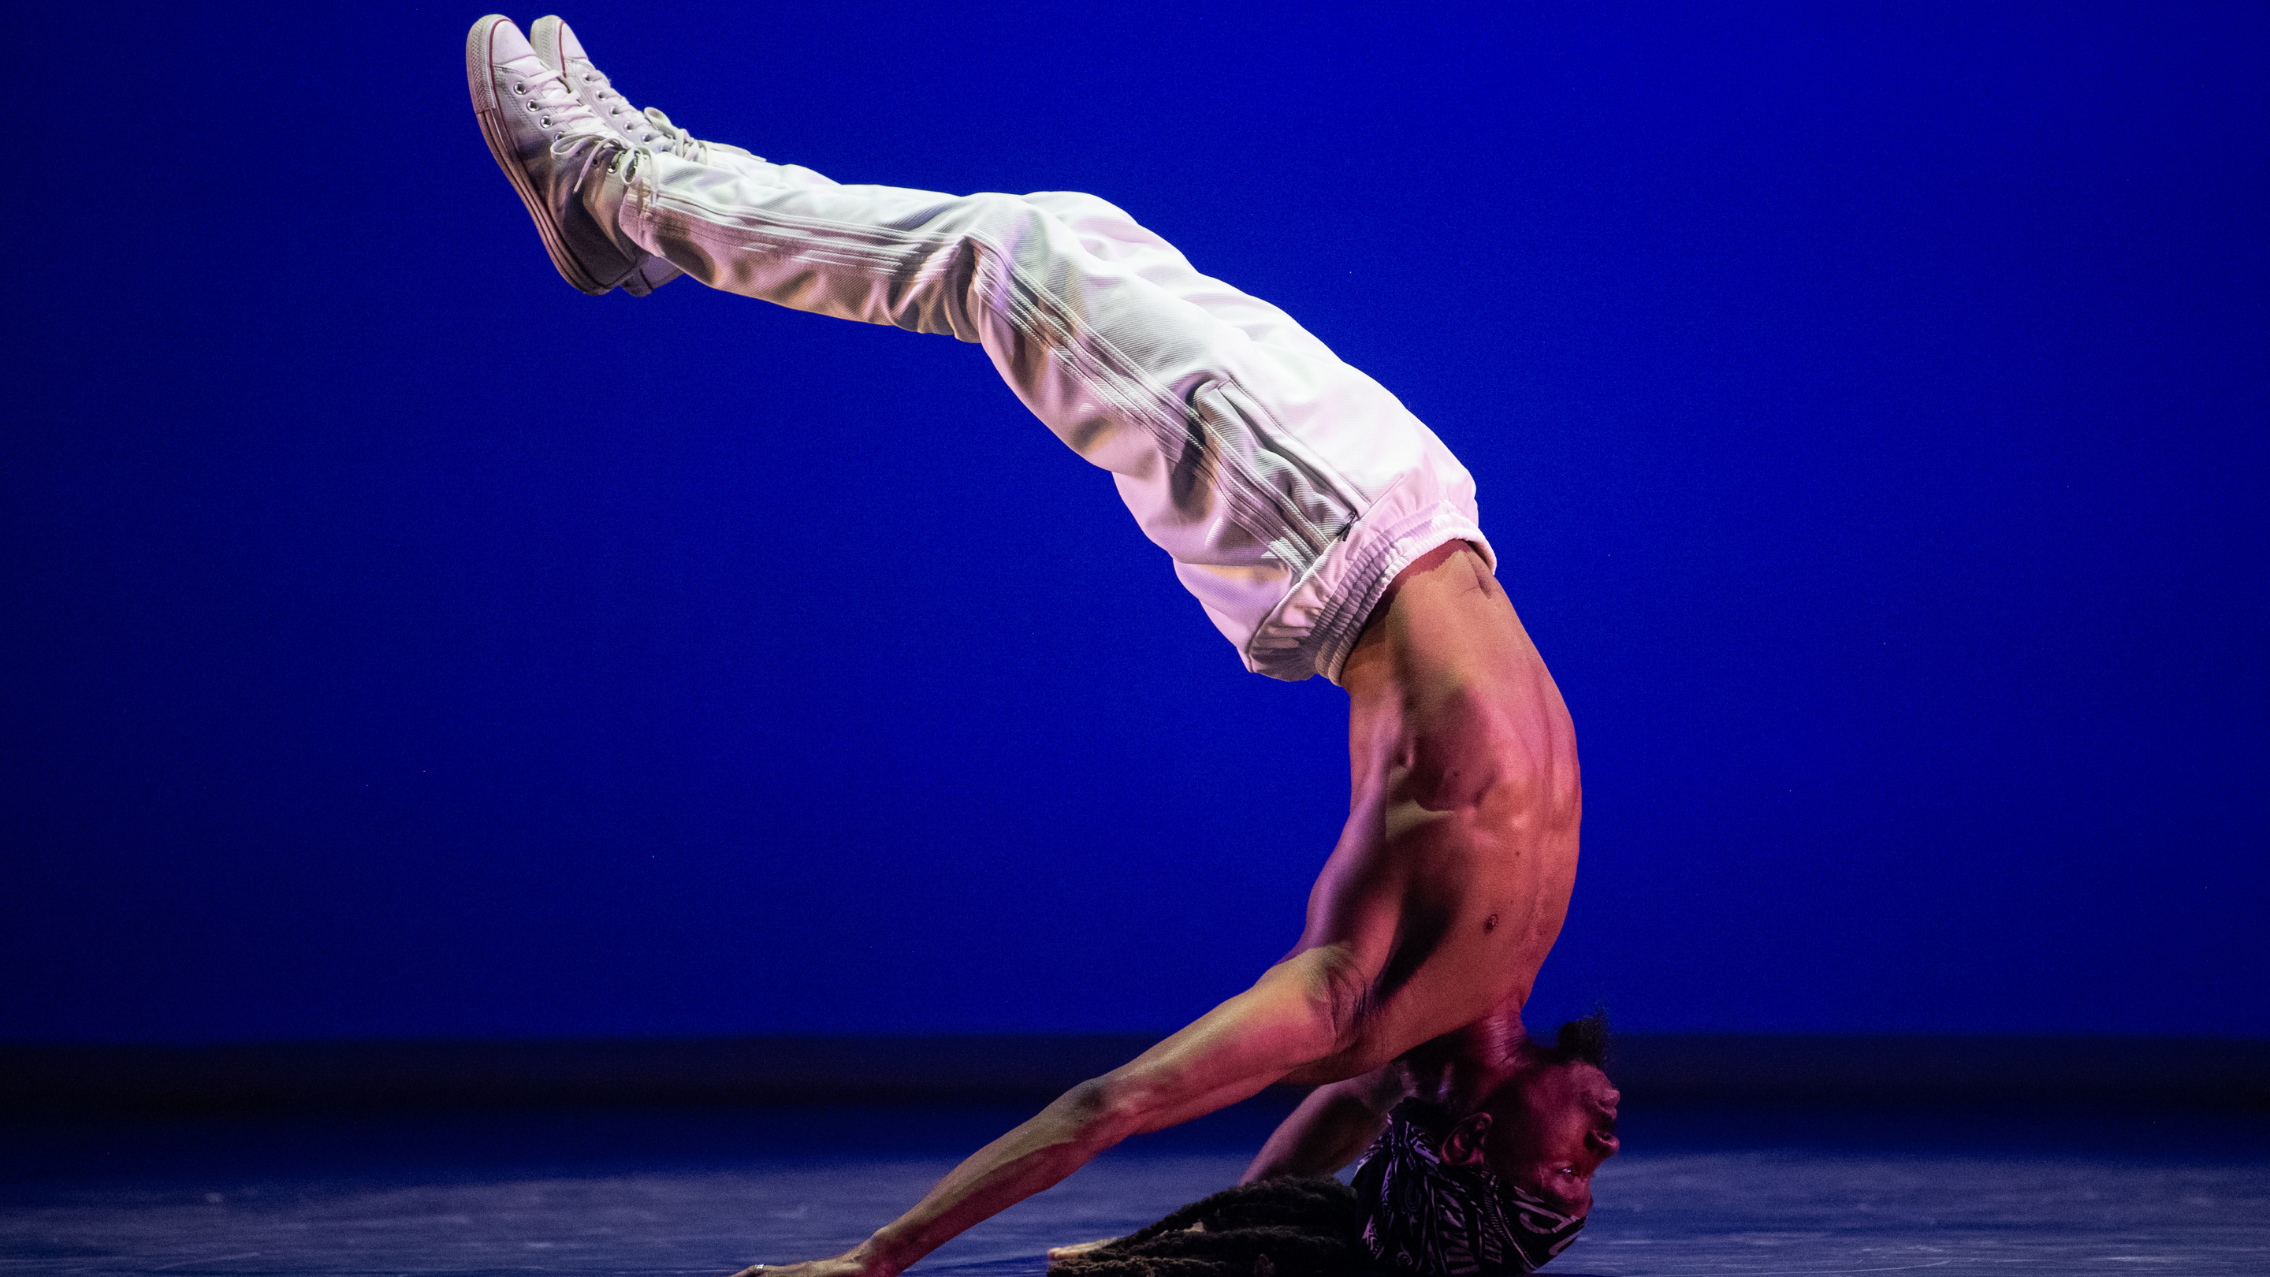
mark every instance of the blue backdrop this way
{"type": "Point", "coordinates": [1868, 403]}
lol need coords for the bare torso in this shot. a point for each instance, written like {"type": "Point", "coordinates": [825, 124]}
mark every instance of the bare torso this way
{"type": "Point", "coordinates": [1453, 874]}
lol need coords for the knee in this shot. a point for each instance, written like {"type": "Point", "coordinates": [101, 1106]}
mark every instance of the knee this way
{"type": "Point", "coordinates": [1005, 219]}
{"type": "Point", "coordinates": [1082, 211]}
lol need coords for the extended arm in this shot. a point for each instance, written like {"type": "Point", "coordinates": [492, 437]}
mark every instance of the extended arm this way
{"type": "Point", "coordinates": [1287, 1019]}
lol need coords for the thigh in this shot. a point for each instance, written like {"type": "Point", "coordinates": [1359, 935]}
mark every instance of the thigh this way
{"type": "Point", "coordinates": [1106, 231]}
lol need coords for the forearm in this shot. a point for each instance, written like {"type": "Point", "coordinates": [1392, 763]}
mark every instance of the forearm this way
{"type": "Point", "coordinates": [1331, 1128]}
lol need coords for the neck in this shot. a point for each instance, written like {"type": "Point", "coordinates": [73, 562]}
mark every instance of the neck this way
{"type": "Point", "coordinates": [1461, 1067]}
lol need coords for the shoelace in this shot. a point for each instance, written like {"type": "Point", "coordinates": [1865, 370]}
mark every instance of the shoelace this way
{"type": "Point", "coordinates": [672, 138]}
{"type": "Point", "coordinates": [616, 115]}
{"type": "Point", "coordinates": [599, 150]}
{"type": "Point", "coordinates": [682, 143]}
{"type": "Point", "coordinates": [547, 91]}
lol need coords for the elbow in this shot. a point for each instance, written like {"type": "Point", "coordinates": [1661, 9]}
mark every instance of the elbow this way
{"type": "Point", "coordinates": [1103, 1111]}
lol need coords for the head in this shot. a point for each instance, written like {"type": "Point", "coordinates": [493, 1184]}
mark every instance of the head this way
{"type": "Point", "coordinates": [1504, 1186]}
{"type": "Point", "coordinates": [1548, 1127]}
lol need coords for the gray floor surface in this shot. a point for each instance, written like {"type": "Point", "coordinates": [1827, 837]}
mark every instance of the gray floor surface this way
{"type": "Point", "coordinates": [1749, 1193]}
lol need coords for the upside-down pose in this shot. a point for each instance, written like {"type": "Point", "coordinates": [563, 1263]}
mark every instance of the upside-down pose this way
{"type": "Point", "coordinates": [1323, 529]}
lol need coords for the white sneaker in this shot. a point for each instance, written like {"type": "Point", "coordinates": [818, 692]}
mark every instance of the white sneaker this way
{"type": "Point", "coordinates": [551, 147]}
{"type": "Point", "coordinates": [557, 48]}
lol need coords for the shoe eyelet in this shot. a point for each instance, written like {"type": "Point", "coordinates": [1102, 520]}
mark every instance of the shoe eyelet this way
{"type": "Point", "coordinates": [520, 88]}
{"type": "Point", "coordinates": [546, 122]}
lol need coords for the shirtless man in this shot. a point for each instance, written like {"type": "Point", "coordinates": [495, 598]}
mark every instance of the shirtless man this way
{"type": "Point", "coordinates": [1323, 529]}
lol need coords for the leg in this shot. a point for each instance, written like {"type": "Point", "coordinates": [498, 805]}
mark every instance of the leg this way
{"type": "Point", "coordinates": [1288, 487]}
{"type": "Point", "coordinates": [1102, 229]}
{"type": "Point", "coordinates": [1108, 233]}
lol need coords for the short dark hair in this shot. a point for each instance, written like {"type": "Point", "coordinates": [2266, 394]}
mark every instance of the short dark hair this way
{"type": "Point", "coordinates": [1584, 1040]}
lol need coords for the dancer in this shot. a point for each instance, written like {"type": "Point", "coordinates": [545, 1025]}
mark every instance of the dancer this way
{"type": "Point", "coordinates": [1323, 529]}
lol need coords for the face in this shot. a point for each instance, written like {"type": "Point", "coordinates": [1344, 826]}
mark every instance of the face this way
{"type": "Point", "coordinates": [1546, 1130]}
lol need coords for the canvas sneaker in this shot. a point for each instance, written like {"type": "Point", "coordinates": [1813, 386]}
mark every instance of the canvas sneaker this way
{"type": "Point", "coordinates": [551, 147]}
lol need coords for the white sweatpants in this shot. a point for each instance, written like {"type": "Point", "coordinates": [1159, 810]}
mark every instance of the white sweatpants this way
{"type": "Point", "coordinates": [1288, 487]}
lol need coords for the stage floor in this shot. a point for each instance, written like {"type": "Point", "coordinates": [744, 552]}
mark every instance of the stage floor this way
{"type": "Point", "coordinates": [1700, 1192]}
